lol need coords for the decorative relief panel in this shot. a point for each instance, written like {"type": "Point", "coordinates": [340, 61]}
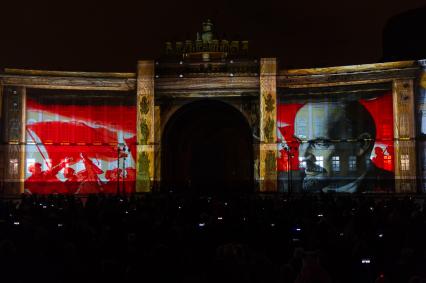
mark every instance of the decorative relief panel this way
{"type": "Point", "coordinates": [13, 102]}
{"type": "Point", "coordinates": [268, 114]}
{"type": "Point", "coordinates": [404, 135]}
{"type": "Point", "coordinates": [145, 126]}
{"type": "Point", "coordinates": [13, 99]}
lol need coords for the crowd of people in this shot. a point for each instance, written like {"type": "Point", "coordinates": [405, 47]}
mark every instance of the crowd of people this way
{"type": "Point", "coordinates": [241, 238]}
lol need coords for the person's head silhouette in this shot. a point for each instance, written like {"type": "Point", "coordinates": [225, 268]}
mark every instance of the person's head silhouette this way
{"type": "Point", "coordinates": [336, 140]}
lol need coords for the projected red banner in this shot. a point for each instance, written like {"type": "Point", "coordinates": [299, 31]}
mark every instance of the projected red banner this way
{"type": "Point", "coordinates": [329, 145]}
{"type": "Point", "coordinates": [80, 149]}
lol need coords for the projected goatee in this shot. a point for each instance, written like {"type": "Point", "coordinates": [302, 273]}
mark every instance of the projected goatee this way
{"type": "Point", "coordinates": [315, 177]}
{"type": "Point", "coordinates": [314, 184]}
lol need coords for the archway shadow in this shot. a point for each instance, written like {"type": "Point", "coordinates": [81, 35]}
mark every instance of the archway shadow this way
{"type": "Point", "coordinates": [207, 149]}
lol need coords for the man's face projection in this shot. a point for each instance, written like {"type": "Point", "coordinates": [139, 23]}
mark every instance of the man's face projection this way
{"type": "Point", "coordinates": [327, 145]}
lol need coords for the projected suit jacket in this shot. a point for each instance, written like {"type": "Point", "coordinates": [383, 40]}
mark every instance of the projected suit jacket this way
{"type": "Point", "coordinates": [374, 179]}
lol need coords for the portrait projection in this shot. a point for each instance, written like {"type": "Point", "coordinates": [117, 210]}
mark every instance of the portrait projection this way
{"type": "Point", "coordinates": [80, 143]}
{"type": "Point", "coordinates": [336, 145]}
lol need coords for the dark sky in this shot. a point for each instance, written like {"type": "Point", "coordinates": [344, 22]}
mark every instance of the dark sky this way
{"type": "Point", "coordinates": [101, 36]}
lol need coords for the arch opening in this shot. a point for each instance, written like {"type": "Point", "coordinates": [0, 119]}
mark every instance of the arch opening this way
{"type": "Point", "coordinates": [207, 148]}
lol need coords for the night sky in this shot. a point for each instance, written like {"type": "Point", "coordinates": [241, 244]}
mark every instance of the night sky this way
{"type": "Point", "coordinates": [100, 36]}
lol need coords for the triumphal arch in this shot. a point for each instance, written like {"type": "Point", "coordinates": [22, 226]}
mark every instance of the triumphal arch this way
{"type": "Point", "coordinates": [209, 116]}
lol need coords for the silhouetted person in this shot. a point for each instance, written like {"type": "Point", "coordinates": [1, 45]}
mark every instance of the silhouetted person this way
{"type": "Point", "coordinates": [90, 182]}
{"type": "Point", "coordinates": [72, 182]}
{"type": "Point", "coordinates": [45, 182]}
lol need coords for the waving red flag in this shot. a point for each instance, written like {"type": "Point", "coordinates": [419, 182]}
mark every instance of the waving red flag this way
{"type": "Point", "coordinates": [119, 117]}
{"type": "Point", "coordinates": [50, 133]}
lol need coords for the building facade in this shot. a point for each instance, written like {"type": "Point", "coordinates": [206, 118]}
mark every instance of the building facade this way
{"type": "Point", "coordinates": [346, 129]}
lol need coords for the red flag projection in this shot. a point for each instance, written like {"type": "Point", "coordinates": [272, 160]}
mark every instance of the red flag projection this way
{"type": "Point", "coordinates": [74, 148]}
{"type": "Point", "coordinates": [286, 114]}
{"type": "Point", "coordinates": [333, 144]}
{"type": "Point", "coordinates": [381, 110]}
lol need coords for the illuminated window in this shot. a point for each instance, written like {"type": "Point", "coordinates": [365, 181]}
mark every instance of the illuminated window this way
{"type": "Point", "coordinates": [405, 162]}
{"type": "Point", "coordinates": [13, 167]}
{"type": "Point", "coordinates": [352, 163]}
{"type": "Point", "coordinates": [335, 162]}
{"type": "Point", "coordinates": [320, 161]}
{"type": "Point", "coordinates": [387, 160]}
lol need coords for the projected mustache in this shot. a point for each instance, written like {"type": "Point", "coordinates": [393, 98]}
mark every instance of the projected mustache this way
{"type": "Point", "coordinates": [310, 166]}
{"type": "Point", "coordinates": [313, 182]}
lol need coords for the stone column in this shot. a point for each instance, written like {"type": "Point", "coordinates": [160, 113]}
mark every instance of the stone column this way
{"type": "Point", "coordinates": [268, 125]}
{"type": "Point", "coordinates": [404, 136]}
{"type": "Point", "coordinates": [13, 139]}
{"type": "Point", "coordinates": [157, 149]}
{"type": "Point", "coordinates": [145, 127]}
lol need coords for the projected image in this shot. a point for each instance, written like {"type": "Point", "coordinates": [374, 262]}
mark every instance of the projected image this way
{"type": "Point", "coordinates": [80, 146]}
{"type": "Point", "coordinates": [336, 146]}
{"type": "Point", "coordinates": [421, 120]}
